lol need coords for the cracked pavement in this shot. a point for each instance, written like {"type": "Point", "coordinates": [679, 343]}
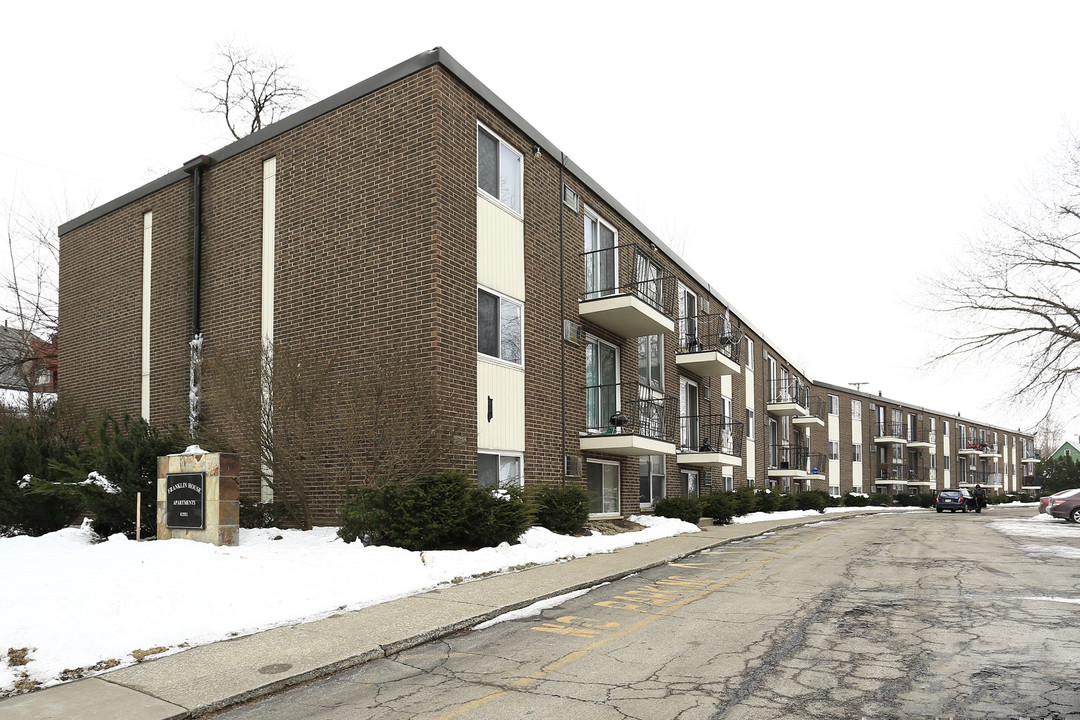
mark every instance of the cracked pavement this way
{"type": "Point", "coordinates": [889, 616]}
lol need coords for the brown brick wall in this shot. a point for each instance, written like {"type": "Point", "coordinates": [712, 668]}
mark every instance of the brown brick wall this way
{"type": "Point", "coordinates": [375, 267]}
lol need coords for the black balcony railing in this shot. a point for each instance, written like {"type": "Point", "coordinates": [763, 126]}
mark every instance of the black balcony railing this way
{"type": "Point", "coordinates": [640, 274]}
{"type": "Point", "coordinates": [638, 412]}
{"type": "Point", "coordinates": [891, 474]}
{"type": "Point", "coordinates": [924, 435]}
{"type": "Point", "coordinates": [817, 463]}
{"type": "Point", "coordinates": [889, 429]}
{"type": "Point", "coordinates": [710, 434]}
{"type": "Point", "coordinates": [819, 408]}
{"type": "Point", "coordinates": [707, 333]}
{"type": "Point", "coordinates": [788, 457]}
{"type": "Point", "coordinates": [790, 390]}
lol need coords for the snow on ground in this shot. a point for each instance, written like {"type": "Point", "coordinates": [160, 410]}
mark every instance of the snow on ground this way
{"type": "Point", "coordinates": [76, 601]}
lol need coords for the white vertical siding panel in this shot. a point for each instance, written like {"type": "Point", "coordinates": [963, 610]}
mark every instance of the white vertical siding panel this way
{"type": "Point", "coordinates": [506, 387]}
{"type": "Point", "coordinates": [500, 249]}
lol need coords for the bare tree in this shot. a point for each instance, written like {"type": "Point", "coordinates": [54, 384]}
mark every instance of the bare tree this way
{"type": "Point", "coordinates": [1048, 436]}
{"type": "Point", "coordinates": [306, 430]}
{"type": "Point", "coordinates": [1015, 296]}
{"type": "Point", "coordinates": [249, 90]}
{"type": "Point", "coordinates": [28, 302]}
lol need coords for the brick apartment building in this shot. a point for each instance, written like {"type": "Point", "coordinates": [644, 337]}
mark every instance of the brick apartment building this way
{"type": "Point", "coordinates": [416, 220]}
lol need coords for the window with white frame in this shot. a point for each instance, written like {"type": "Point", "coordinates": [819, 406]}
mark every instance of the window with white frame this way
{"type": "Point", "coordinates": [498, 169]}
{"type": "Point", "coordinates": [652, 479]}
{"type": "Point", "coordinates": [602, 480]}
{"type": "Point", "coordinates": [498, 326]}
{"type": "Point", "coordinates": [601, 257]}
{"type": "Point", "coordinates": [749, 354]}
{"type": "Point", "coordinates": [856, 410]}
{"type": "Point", "coordinates": [834, 450]}
{"type": "Point", "coordinates": [933, 461]}
{"type": "Point", "coordinates": [602, 383]}
{"type": "Point", "coordinates": [688, 319]}
{"type": "Point", "coordinates": [499, 470]}
{"type": "Point", "coordinates": [834, 405]}
{"type": "Point", "coordinates": [749, 424]}
{"type": "Point", "coordinates": [651, 361]}
{"type": "Point", "coordinates": [856, 452]}
{"type": "Point", "coordinates": [689, 423]}
{"type": "Point", "coordinates": [945, 460]}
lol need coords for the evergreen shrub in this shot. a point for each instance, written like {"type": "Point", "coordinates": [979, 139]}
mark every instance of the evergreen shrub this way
{"type": "Point", "coordinates": [813, 500]}
{"type": "Point", "coordinates": [856, 500]}
{"type": "Point", "coordinates": [880, 499]}
{"type": "Point", "coordinates": [687, 509]}
{"type": "Point", "coordinates": [786, 501]}
{"type": "Point", "coordinates": [767, 501]}
{"type": "Point", "coordinates": [255, 514]}
{"type": "Point", "coordinates": [439, 511]}
{"type": "Point", "coordinates": [720, 507]}
{"type": "Point", "coordinates": [745, 501]}
{"type": "Point", "coordinates": [561, 509]}
{"type": "Point", "coordinates": [27, 447]}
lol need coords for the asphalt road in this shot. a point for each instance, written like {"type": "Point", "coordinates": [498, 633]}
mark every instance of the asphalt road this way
{"type": "Point", "coordinates": [887, 616]}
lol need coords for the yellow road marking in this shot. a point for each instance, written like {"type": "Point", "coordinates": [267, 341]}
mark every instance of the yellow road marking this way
{"type": "Point", "coordinates": [626, 630]}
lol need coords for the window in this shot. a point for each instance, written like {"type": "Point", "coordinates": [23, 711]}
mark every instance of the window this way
{"type": "Point", "coordinates": [601, 259]}
{"type": "Point", "coordinates": [688, 483]}
{"type": "Point", "coordinates": [651, 361]}
{"type": "Point", "coordinates": [603, 487]}
{"type": "Point", "coordinates": [689, 437]}
{"type": "Point", "coordinates": [749, 354]}
{"type": "Point", "coordinates": [498, 169]}
{"type": "Point", "coordinates": [933, 461]}
{"type": "Point", "coordinates": [834, 405]}
{"type": "Point", "coordinates": [946, 427]}
{"type": "Point", "coordinates": [834, 450]}
{"type": "Point", "coordinates": [751, 482]}
{"type": "Point", "coordinates": [945, 459]}
{"type": "Point", "coordinates": [749, 424]}
{"type": "Point", "coordinates": [856, 452]}
{"type": "Point", "coordinates": [601, 379]}
{"type": "Point", "coordinates": [856, 409]}
{"type": "Point", "coordinates": [498, 470]}
{"type": "Point", "coordinates": [652, 479]}
{"type": "Point", "coordinates": [688, 332]}
{"type": "Point", "coordinates": [498, 326]}
{"type": "Point", "coordinates": [570, 197]}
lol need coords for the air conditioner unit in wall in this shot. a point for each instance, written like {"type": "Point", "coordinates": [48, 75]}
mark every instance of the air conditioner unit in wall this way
{"type": "Point", "coordinates": [572, 466]}
{"type": "Point", "coordinates": [572, 333]}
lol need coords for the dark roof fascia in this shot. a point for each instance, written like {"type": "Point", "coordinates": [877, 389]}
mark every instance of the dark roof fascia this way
{"type": "Point", "coordinates": [909, 406]}
{"type": "Point", "coordinates": [436, 56]}
{"type": "Point", "coordinates": [365, 87]}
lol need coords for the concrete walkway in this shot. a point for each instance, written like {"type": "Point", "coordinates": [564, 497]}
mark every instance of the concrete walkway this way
{"type": "Point", "coordinates": [211, 677]}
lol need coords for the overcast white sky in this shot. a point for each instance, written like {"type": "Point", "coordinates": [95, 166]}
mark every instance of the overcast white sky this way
{"type": "Point", "coordinates": [851, 147]}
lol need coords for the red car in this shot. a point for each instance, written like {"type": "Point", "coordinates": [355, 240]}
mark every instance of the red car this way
{"type": "Point", "coordinates": [1065, 504]}
{"type": "Point", "coordinates": [1045, 499]}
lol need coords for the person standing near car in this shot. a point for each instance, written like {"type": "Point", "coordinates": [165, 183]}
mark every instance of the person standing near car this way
{"type": "Point", "coordinates": [980, 497]}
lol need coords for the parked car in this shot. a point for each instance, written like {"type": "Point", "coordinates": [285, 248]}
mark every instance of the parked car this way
{"type": "Point", "coordinates": [1045, 499]}
{"type": "Point", "coordinates": [954, 499]}
{"type": "Point", "coordinates": [1065, 504]}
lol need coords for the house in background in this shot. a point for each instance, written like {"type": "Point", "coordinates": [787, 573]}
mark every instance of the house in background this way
{"type": "Point", "coordinates": [28, 367]}
{"type": "Point", "coordinates": [1067, 449]}
{"type": "Point", "coordinates": [416, 221]}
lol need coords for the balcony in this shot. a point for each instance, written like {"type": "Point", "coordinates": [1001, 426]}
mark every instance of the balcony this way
{"type": "Point", "coordinates": [969, 448]}
{"type": "Point", "coordinates": [788, 461]}
{"type": "Point", "coordinates": [637, 426]}
{"type": "Point", "coordinates": [917, 480]}
{"type": "Point", "coordinates": [1030, 458]}
{"type": "Point", "coordinates": [989, 451]}
{"type": "Point", "coordinates": [818, 410]}
{"type": "Point", "coordinates": [981, 477]}
{"type": "Point", "coordinates": [886, 433]}
{"type": "Point", "coordinates": [641, 306]}
{"type": "Point", "coordinates": [891, 475]}
{"type": "Point", "coordinates": [816, 464]}
{"type": "Point", "coordinates": [921, 438]}
{"type": "Point", "coordinates": [710, 441]}
{"type": "Point", "coordinates": [709, 345]}
{"type": "Point", "coordinates": [787, 398]}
